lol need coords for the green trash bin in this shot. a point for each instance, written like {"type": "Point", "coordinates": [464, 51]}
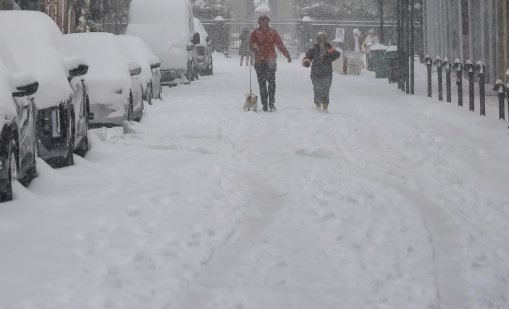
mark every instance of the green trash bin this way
{"type": "Point", "coordinates": [379, 61]}
{"type": "Point", "coordinates": [393, 63]}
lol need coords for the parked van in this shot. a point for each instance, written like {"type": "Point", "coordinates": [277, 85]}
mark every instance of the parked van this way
{"type": "Point", "coordinates": [203, 50]}
{"type": "Point", "coordinates": [168, 29]}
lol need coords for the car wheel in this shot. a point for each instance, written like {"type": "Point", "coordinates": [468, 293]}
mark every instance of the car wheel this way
{"type": "Point", "coordinates": [12, 173]}
{"type": "Point", "coordinates": [195, 72]}
{"type": "Point", "coordinates": [130, 107]}
{"type": "Point", "coordinates": [150, 94]}
{"type": "Point", "coordinates": [83, 149]}
{"type": "Point", "coordinates": [31, 173]}
{"type": "Point", "coordinates": [69, 159]}
{"type": "Point", "coordinates": [138, 119]}
{"type": "Point", "coordinates": [211, 67]}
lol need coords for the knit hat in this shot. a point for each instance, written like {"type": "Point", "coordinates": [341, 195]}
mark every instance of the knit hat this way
{"type": "Point", "coordinates": [263, 16]}
{"type": "Point", "coordinates": [321, 33]}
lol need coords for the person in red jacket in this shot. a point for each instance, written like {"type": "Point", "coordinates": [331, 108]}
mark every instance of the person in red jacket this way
{"type": "Point", "coordinates": [263, 41]}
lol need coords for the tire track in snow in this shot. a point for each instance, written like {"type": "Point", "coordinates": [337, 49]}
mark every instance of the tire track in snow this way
{"type": "Point", "coordinates": [447, 252]}
{"type": "Point", "coordinates": [218, 272]}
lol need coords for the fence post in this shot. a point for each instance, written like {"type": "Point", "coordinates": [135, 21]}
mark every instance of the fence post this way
{"type": "Point", "coordinates": [439, 63]}
{"type": "Point", "coordinates": [429, 63]}
{"type": "Point", "coordinates": [507, 90]}
{"type": "Point", "coordinates": [447, 66]}
{"type": "Point", "coordinates": [480, 68]}
{"type": "Point", "coordinates": [459, 80]}
{"type": "Point", "coordinates": [469, 66]}
{"type": "Point", "coordinates": [501, 89]}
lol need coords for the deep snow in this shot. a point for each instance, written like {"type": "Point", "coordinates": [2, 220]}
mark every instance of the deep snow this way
{"type": "Point", "coordinates": [389, 201]}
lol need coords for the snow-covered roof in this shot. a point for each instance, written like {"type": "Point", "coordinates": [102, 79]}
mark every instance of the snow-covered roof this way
{"type": "Point", "coordinates": [378, 47]}
{"type": "Point", "coordinates": [263, 8]}
{"type": "Point", "coordinates": [392, 48]}
{"type": "Point", "coordinates": [34, 38]}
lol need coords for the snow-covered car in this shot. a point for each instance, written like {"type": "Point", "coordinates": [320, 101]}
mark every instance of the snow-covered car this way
{"type": "Point", "coordinates": [168, 29]}
{"type": "Point", "coordinates": [203, 50]}
{"type": "Point", "coordinates": [18, 148]}
{"type": "Point", "coordinates": [135, 49]}
{"type": "Point", "coordinates": [34, 39]}
{"type": "Point", "coordinates": [112, 94]}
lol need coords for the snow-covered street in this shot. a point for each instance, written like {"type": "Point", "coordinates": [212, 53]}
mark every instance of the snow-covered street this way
{"type": "Point", "coordinates": [389, 201]}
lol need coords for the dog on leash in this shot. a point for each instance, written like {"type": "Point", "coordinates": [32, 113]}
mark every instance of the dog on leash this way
{"type": "Point", "coordinates": [251, 102]}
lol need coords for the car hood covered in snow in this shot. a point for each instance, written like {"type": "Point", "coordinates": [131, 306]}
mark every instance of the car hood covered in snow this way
{"type": "Point", "coordinates": [136, 50]}
{"type": "Point", "coordinates": [107, 71]}
{"type": "Point", "coordinates": [33, 37]}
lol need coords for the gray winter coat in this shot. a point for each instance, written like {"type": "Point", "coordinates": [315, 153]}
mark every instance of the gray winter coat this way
{"type": "Point", "coordinates": [322, 66]}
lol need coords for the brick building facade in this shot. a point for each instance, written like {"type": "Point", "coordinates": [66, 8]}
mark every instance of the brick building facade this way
{"type": "Point", "coordinates": [62, 12]}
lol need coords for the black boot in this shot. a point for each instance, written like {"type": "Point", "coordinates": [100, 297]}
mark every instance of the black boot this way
{"type": "Point", "coordinates": [272, 107]}
{"type": "Point", "coordinates": [265, 107]}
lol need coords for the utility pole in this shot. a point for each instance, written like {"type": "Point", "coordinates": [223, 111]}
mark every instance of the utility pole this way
{"type": "Point", "coordinates": [412, 48]}
{"type": "Point", "coordinates": [382, 22]}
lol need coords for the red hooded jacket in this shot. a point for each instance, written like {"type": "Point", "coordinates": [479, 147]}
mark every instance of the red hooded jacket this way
{"type": "Point", "coordinates": [262, 41]}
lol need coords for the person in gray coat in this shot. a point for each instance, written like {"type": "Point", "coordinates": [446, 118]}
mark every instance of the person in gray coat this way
{"type": "Point", "coordinates": [320, 58]}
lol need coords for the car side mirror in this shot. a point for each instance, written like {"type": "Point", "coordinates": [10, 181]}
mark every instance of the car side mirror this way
{"type": "Point", "coordinates": [196, 38]}
{"type": "Point", "coordinates": [134, 68]}
{"type": "Point", "coordinates": [154, 62]}
{"type": "Point", "coordinates": [90, 116]}
{"type": "Point", "coordinates": [80, 70]}
{"type": "Point", "coordinates": [24, 85]}
{"type": "Point", "coordinates": [135, 71]}
{"type": "Point", "coordinates": [45, 122]}
{"type": "Point", "coordinates": [75, 67]}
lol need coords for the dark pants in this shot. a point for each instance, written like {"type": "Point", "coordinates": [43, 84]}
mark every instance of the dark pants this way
{"type": "Point", "coordinates": [321, 88]}
{"type": "Point", "coordinates": [266, 73]}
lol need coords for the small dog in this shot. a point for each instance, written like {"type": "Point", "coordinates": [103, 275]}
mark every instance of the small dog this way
{"type": "Point", "coordinates": [251, 102]}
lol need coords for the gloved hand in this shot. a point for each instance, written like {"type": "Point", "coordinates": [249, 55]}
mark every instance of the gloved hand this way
{"type": "Point", "coordinates": [330, 49]}
{"type": "Point", "coordinates": [306, 62]}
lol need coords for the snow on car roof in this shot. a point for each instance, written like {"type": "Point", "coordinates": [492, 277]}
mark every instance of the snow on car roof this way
{"type": "Point", "coordinates": [162, 23]}
{"type": "Point", "coordinates": [33, 37]}
{"type": "Point", "coordinates": [159, 11]}
{"type": "Point", "coordinates": [140, 52]}
{"type": "Point", "coordinates": [166, 43]}
{"type": "Point", "coordinates": [6, 102]}
{"type": "Point", "coordinates": [100, 51]}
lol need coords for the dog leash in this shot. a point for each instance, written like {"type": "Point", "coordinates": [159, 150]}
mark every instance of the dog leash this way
{"type": "Point", "coordinates": [250, 69]}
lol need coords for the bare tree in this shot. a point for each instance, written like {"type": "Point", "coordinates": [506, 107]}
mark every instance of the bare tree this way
{"type": "Point", "coordinates": [6, 4]}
